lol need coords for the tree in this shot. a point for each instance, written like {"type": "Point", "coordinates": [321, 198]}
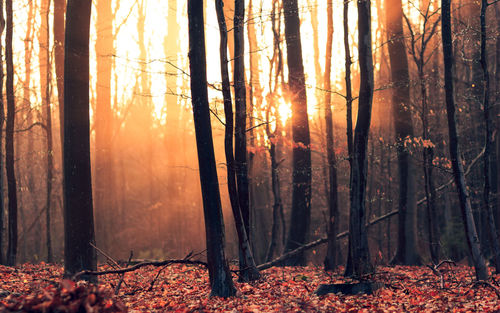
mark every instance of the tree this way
{"type": "Point", "coordinates": [301, 177]}
{"type": "Point", "coordinates": [247, 262]}
{"type": "Point", "coordinates": [58, 28]}
{"type": "Point", "coordinates": [218, 270]}
{"type": "Point", "coordinates": [78, 209]}
{"type": "Point", "coordinates": [104, 188]}
{"type": "Point", "coordinates": [9, 139]}
{"type": "Point", "coordinates": [456, 159]}
{"type": "Point", "coordinates": [358, 240]}
{"type": "Point", "coordinates": [45, 76]}
{"type": "Point", "coordinates": [331, 252]}
{"type": "Point", "coordinates": [406, 252]}
{"type": "Point", "coordinates": [488, 139]}
{"type": "Point", "coordinates": [2, 119]}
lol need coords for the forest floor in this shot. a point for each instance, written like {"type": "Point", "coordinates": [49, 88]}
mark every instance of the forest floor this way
{"type": "Point", "coordinates": [184, 288]}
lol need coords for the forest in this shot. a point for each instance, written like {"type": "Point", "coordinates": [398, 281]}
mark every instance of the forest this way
{"type": "Point", "coordinates": [249, 156]}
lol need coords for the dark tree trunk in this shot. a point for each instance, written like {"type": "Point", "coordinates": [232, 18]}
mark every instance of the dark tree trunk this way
{"type": "Point", "coordinates": [488, 140]}
{"type": "Point", "coordinates": [218, 270]}
{"type": "Point", "coordinates": [456, 160]}
{"type": "Point", "coordinates": [58, 26]}
{"type": "Point", "coordinates": [348, 88]}
{"type": "Point", "coordinates": [78, 209]}
{"type": "Point", "coordinates": [358, 240]}
{"type": "Point", "coordinates": [240, 151]}
{"type": "Point", "coordinates": [9, 140]}
{"type": "Point", "coordinates": [247, 263]}
{"type": "Point", "coordinates": [2, 120]}
{"type": "Point", "coordinates": [301, 177]}
{"type": "Point", "coordinates": [331, 252]}
{"type": "Point", "coordinates": [45, 76]}
{"type": "Point", "coordinates": [406, 252]}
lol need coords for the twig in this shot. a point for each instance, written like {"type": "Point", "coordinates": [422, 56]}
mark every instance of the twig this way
{"type": "Point", "coordinates": [137, 266]}
{"type": "Point", "coordinates": [485, 283]}
{"type": "Point", "coordinates": [117, 289]}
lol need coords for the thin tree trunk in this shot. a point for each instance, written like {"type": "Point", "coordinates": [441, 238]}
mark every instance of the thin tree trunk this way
{"type": "Point", "coordinates": [240, 151]}
{"type": "Point", "coordinates": [248, 271]}
{"type": "Point", "coordinates": [301, 177]}
{"type": "Point", "coordinates": [78, 207]}
{"type": "Point", "coordinates": [456, 160]}
{"type": "Point", "coordinates": [9, 140]}
{"type": "Point", "coordinates": [406, 252]}
{"type": "Point", "coordinates": [2, 120]}
{"type": "Point", "coordinates": [58, 28]}
{"type": "Point", "coordinates": [218, 270]}
{"type": "Point", "coordinates": [44, 57]}
{"type": "Point", "coordinates": [331, 252]}
{"type": "Point", "coordinates": [358, 239]}
{"type": "Point", "coordinates": [488, 139]}
{"type": "Point", "coordinates": [348, 86]}
{"type": "Point", "coordinates": [104, 189]}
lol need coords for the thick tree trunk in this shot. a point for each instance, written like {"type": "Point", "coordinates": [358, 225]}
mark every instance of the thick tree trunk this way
{"type": "Point", "coordinates": [358, 239]}
{"type": "Point", "coordinates": [45, 76]}
{"type": "Point", "coordinates": [488, 146]}
{"type": "Point", "coordinates": [456, 160]}
{"type": "Point", "coordinates": [301, 177]}
{"type": "Point", "coordinates": [105, 203]}
{"type": "Point", "coordinates": [78, 208]}
{"type": "Point", "coordinates": [406, 252]}
{"type": "Point", "coordinates": [58, 26]}
{"type": "Point", "coordinates": [331, 252]}
{"type": "Point", "coordinates": [248, 271]}
{"type": "Point", "coordinates": [9, 140]}
{"type": "Point", "coordinates": [218, 270]}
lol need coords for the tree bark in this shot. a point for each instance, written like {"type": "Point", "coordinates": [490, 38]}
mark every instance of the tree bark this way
{"type": "Point", "coordinates": [9, 139]}
{"type": "Point", "coordinates": [331, 252]}
{"type": "Point", "coordinates": [456, 160]}
{"type": "Point", "coordinates": [358, 240]}
{"type": "Point", "coordinates": [248, 271]}
{"type": "Point", "coordinates": [488, 143]}
{"type": "Point", "coordinates": [301, 177]}
{"type": "Point", "coordinates": [2, 120]}
{"type": "Point", "coordinates": [240, 149]}
{"type": "Point", "coordinates": [406, 252]}
{"type": "Point", "coordinates": [78, 208]}
{"type": "Point", "coordinates": [348, 87]}
{"type": "Point", "coordinates": [218, 270]}
{"type": "Point", "coordinates": [45, 76]}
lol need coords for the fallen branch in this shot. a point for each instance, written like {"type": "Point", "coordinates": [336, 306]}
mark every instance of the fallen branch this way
{"type": "Point", "coordinates": [137, 266]}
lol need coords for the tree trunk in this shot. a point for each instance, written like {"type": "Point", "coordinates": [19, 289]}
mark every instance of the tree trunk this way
{"type": "Point", "coordinates": [406, 252]}
{"type": "Point", "coordinates": [301, 177]}
{"type": "Point", "coordinates": [358, 240]}
{"type": "Point", "coordinates": [2, 120]}
{"type": "Point", "coordinates": [45, 76]}
{"type": "Point", "coordinates": [248, 271]}
{"type": "Point", "coordinates": [78, 209]}
{"type": "Point", "coordinates": [240, 151]}
{"type": "Point", "coordinates": [218, 270]}
{"type": "Point", "coordinates": [105, 203]}
{"type": "Point", "coordinates": [488, 140]}
{"type": "Point", "coordinates": [58, 26]}
{"type": "Point", "coordinates": [456, 160]}
{"type": "Point", "coordinates": [348, 88]}
{"type": "Point", "coordinates": [9, 140]}
{"type": "Point", "coordinates": [331, 252]}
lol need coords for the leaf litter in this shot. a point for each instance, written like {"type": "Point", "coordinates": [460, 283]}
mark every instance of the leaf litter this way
{"type": "Point", "coordinates": [185, 288]}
